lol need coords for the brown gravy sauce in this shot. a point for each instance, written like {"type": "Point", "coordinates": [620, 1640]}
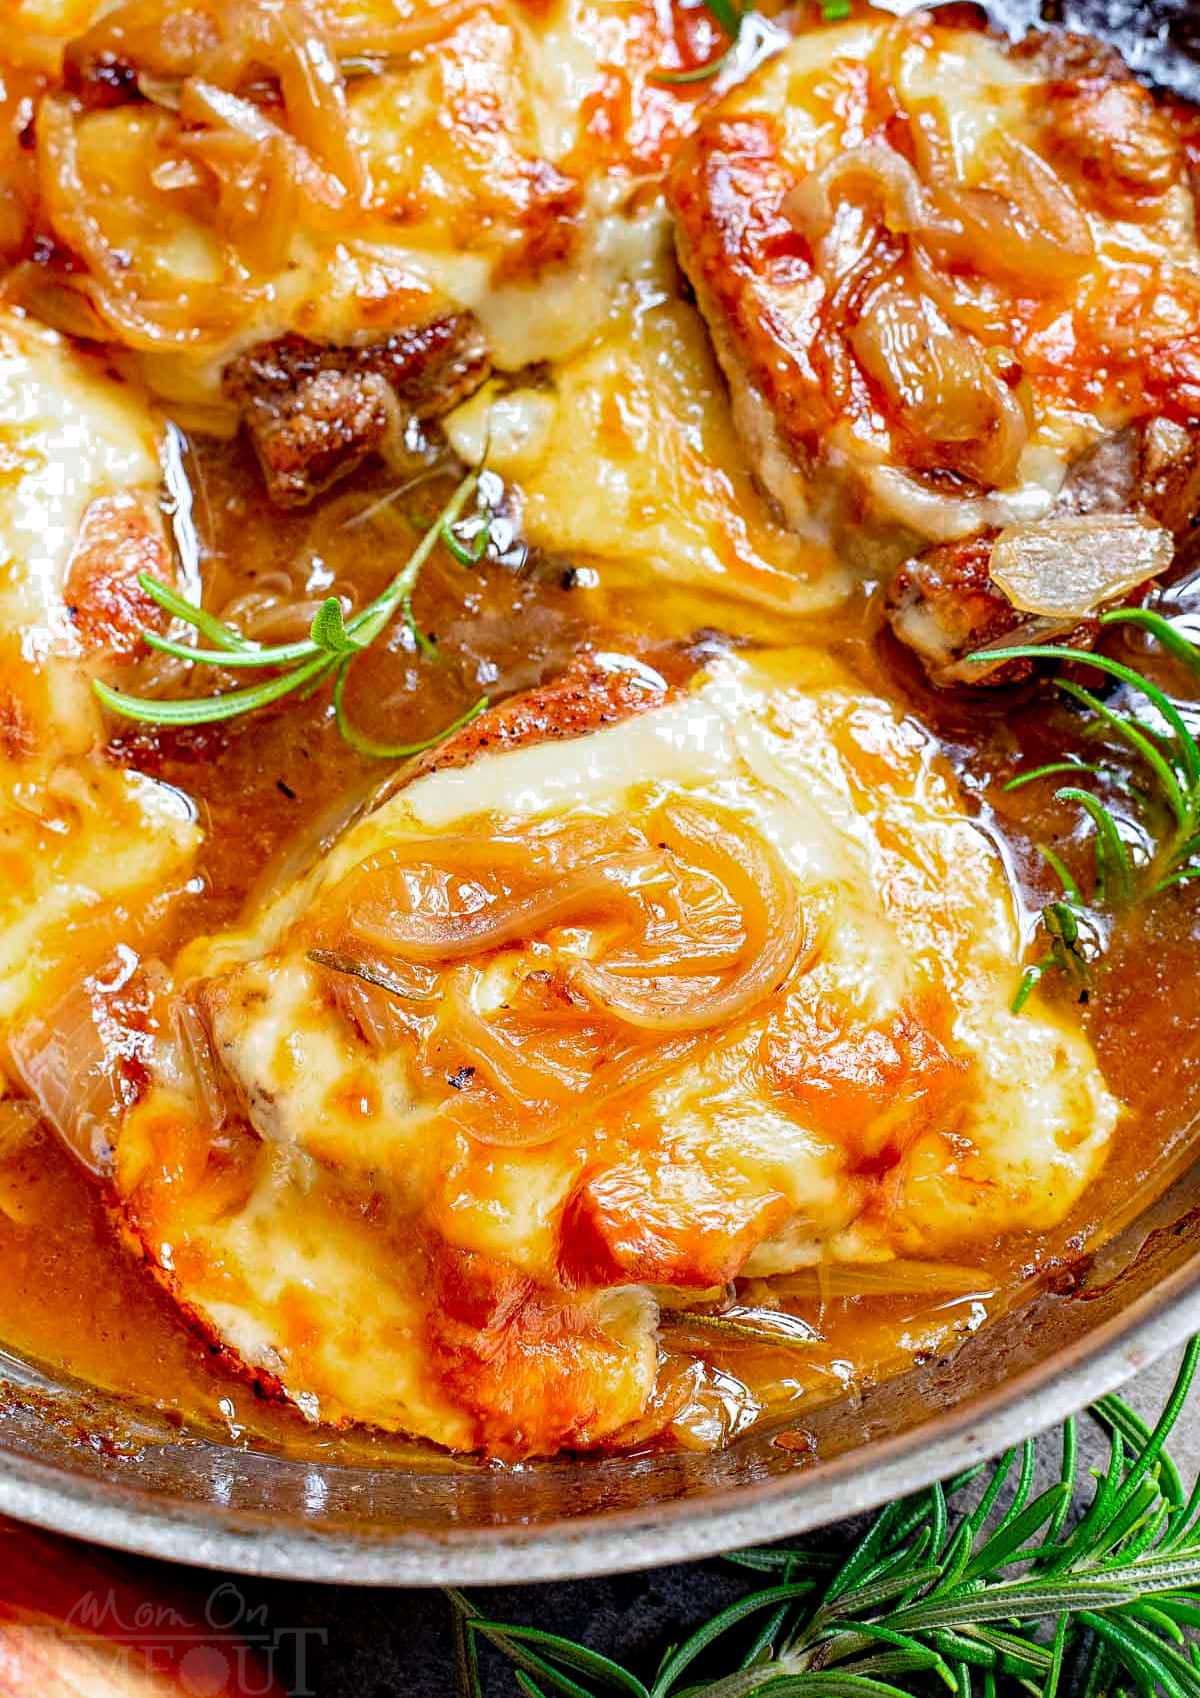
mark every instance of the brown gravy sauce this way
{"type": "Point", "coordinates": [76, 1301]}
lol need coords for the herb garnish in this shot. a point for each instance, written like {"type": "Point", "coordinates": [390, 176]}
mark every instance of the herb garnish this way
{"type": "Point", "coordinates": [1010, 1592]}
{"type": "Point", "coordinates": [330, 649]}
{"type": "Point", "coordinates": [1167, 752]}
{"type": "Point", "coordinates": [744, 1325]}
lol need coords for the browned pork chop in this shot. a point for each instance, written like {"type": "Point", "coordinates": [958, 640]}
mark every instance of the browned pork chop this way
{"type": "Point", "coordinates": [955, 287]}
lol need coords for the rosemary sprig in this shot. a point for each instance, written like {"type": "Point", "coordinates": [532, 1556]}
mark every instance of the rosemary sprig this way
{"type": "Point", "coordinates": [1166, 752]}
{"type": "Point", "coordinates": [330, 649]}
{"type": "Point", "coordinates": [744, 1325]}
{"type": "Point", "coordinates": [978, 1587]}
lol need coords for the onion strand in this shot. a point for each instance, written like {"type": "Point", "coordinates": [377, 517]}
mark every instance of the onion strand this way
{"type": "Point", "coordinates": [676, 928]}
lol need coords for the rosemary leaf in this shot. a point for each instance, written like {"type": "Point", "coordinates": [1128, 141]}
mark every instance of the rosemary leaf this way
{"type": "Point", "coordinates": [550, 1646]}
{"type": "Point", "coordinates": [393, 751]}
{"type": "Point", "coordinates": [748, 1326]}
{"type": "Point", "coordinates": [731, 1616]}
{"type": "Point", "coordinates": [302, 667]}
{"type": "Point", "coordinates": [1114, 872]}
{"type": "Point", "coordinates": [1052, 769]}
{"type": "Point", "coordinates": [336, 962]}
{"type": "Point", "coordinates": [984, 1601]}
{"type": "Point", "coordinates": [224, 636]}
{"type": "Point", "coordinates": [328, 631]}
{"type": "Point", "coordinates": [1171, 759]}
{"type": "Point", "coordinates": [727, 14]}
{"type": "Point", "coordinates": [1133, 734]}
{"type": "Point", "coordinates": [468, 554]}
{"type": "Point", "coordinates": [208, 710]}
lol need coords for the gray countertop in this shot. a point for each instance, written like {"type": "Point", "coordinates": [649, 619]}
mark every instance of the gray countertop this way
{"type": "Point", "coordinates": [358, 1643]}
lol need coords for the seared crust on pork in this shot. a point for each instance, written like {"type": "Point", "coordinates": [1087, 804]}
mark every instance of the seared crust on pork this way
{"type": "Point", "coordinates": [955, 288]}
{"type": "Point", "coordinates": [314, 412]}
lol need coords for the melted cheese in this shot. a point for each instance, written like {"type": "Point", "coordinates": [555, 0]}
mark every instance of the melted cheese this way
{"type": "Point", "coordinates": [932, 277]}
{"type": "Point", "coordinates": [884, 1101]}
{"type": "Point", "coordinates": [627, 460]}
{"type": "Point", "coordinates": [82, 851]}
{"type": "Point", "coordinates": [333, 1204]}
{"type": "Point", "coordinates": [68, 439]}
{"type": "Point", "coordinates": [79, 839]}
{"type": "Point", "coordinates": [505, 161]}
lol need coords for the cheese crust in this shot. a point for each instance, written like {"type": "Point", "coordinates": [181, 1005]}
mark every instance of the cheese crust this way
{"type": "Point", "coordinates": [938, 269]}
{"type": "Point", "coordinates": [442, 1184]}
{"type": "Point", "coordinates": [695, 965]}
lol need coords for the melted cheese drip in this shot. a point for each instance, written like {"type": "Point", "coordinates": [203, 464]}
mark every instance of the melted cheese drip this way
{"type": "Point", "coordinates": [628, 460]}
{"type": "Point", "coordinates": [912, 908]}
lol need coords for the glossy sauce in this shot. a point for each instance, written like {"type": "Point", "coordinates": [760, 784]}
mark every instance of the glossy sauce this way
{"type": "Point", "coordinates": [266, 788]}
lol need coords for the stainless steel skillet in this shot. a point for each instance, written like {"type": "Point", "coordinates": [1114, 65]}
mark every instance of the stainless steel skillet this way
{"type": "Point", "coordinates": [155, 1491]}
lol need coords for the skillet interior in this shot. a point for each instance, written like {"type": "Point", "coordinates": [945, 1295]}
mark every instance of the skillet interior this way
{"type": "Point", "coordinates": [88, 1466]}
{"type": "Point", "coordinates": [1158, 39]}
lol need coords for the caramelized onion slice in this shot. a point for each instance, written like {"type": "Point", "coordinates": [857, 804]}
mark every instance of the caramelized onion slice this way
{"type": "Point", "coordinates": [529, 1082]}
{"type": "Point", "coordinates": [975, 304]}
{"type": "Point", "coordinates": [773, 921]}
{"type": "Point", "coordinates": [202, 102]}
{"type": "Point", "coordinates": [202, 71]}
{"type": "Point", "coordinates": [872, 172]}
{"type": "Point", "coordinates": [62, 1059]}
{"type": "Point", "coordinates": [634, 1069]}
{"type": "Point", "coordinates": [939, 382]}
{"type": "Point", "coordinates": [709, 924]}
{"type": "Point", "coordinates": [288, 40]}
{"type": "Point", "coordinates": [218, 1100]}
{"type": "Point", "coordinates": [374, 39]}
{"type": "Point", "coordinates": [604, 889]}
{"type": "Point", "coordinates": [381, 877]}
{"type": "Point", "coordinates": [1026, 227]}
{"type": "Point", "coordinates": [1067, 568]}
{"type": "Point", "coordinates": [197, 314]}
{"type": "Point", "coordinates": [380, 1020]}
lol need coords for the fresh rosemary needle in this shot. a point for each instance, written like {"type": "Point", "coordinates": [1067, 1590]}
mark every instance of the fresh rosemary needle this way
{"type": "Point", "coordinates": [328, 652]}
{"type": "Point", "coordinates": [980, 1588]}
{"type": "Point", "coordinates": [746, 1326]}
{"type": "Point", "coordinates": [1166, 752]}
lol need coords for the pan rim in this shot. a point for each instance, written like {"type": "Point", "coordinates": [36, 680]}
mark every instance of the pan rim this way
{"type": "Point", "coordinates": [117, 1515]}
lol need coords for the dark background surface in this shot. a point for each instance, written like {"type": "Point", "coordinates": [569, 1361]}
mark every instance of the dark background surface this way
{"type": "Point", "coordinates": [397, 1644]}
